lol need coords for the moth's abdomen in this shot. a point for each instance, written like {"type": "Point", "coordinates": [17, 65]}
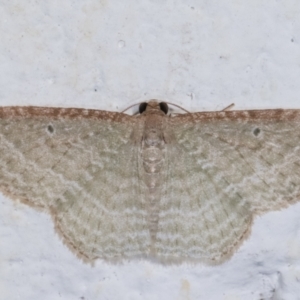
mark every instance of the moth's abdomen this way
{"type": "Point", "coordinates": [153, 163]}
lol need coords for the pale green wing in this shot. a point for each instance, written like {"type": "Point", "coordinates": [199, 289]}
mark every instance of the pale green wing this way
{"type": "Point", "coordinates": [224, 167]}
{"type": "Point", "coordinates": [81, 166]}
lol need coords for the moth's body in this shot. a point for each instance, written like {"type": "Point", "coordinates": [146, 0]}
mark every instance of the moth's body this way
{"type": "Point", "coordinates": [152, 157]}
{"type": "Point", "coordinates": [182, 188]}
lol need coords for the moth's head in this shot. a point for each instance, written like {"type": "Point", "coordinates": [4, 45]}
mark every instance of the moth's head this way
{"type": "Point", "coordinates": [153, 107]}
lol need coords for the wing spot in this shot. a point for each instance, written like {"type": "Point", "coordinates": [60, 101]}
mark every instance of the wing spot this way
{"type": "Point", "coordinates": [50, 129]}
{"type": "Point", "coordinates": [256, 131]}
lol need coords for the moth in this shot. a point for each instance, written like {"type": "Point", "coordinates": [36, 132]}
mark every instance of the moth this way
{"type": "Point", "coordinates": [169, 188]}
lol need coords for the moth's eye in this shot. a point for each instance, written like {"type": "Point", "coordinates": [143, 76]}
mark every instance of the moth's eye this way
{"type": "Point", "coordinates": [164, 107]}
{"type": "Point", "coordinates": [143, 107]}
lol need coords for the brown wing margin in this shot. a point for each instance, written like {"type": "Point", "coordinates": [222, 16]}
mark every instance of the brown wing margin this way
{"type": "Point", "coordinates": [61, 113]}
{"type": "Point", "coordinates": [240, 115]}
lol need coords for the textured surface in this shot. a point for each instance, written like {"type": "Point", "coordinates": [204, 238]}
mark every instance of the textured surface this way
{"type": "Point", "coordinates": [172, 188]}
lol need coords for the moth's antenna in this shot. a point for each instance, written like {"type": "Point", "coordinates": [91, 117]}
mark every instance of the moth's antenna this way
{"type": "Point", "coordinates": [178, 106]}
{"type": "Point", "coordinates": [130, 107]}
{"type": "Point", "coordinates": [229, 107]}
